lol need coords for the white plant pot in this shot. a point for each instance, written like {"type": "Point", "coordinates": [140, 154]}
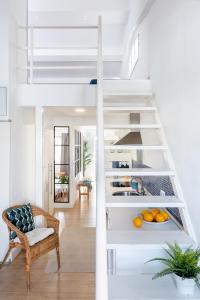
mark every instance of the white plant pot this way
{"type": "Point", "coordinates": [185, 286]}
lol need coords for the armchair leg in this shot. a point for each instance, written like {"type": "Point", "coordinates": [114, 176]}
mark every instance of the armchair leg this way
{"type": "Point", "coordinates": [28, 279]}
{"type": "Point", "coordinates": [28, 270]}
{"type": "Point", "coordinates": [58, 257]}
{"type": "Point", "coordinates": [6, 256]}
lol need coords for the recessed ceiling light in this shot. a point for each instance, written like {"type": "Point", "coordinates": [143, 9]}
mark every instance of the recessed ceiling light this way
{"type": "Point", "coordinates": [80, 110]}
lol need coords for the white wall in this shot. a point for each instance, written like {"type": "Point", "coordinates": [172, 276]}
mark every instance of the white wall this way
{"type": "Point", "coordinates": [57, 95]}
{"type": "Point", "coordinates": [4, 37]}
{"type": "Point", "coordinates": [22, 156]}
{"type": "Point", "coordinates": [4, 126]}
{"type": "Point", "coordinates": [175, 73]}
{"type": "Point", "coordinates": [15, 155]}
{"type": "Point", "coordinates": [4, 179]}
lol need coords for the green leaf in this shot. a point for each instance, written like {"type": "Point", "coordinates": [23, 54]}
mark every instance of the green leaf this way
{"type": "Point", "coordinates": [162, 273]}
{"type": "Point", "coordinates": [163, 260]}
{"type": "Point", "coordinates": [183, 263]}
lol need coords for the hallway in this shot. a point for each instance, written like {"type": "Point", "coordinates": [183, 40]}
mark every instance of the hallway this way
{"type": "Point", "coordinates": [74, 281]}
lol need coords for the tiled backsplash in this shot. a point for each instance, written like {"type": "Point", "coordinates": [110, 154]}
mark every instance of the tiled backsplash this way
{"type": "Point", "coordinates": [154, 184]}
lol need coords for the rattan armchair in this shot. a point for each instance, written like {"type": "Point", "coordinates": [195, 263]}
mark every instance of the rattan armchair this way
{"type": "Point", "coordinates": [38, 249]}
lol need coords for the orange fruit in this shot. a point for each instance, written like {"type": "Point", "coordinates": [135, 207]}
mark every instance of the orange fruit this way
{"type": "Point", "coordinates": [160, 218]}
{"type": "Point", "coordinates": [144, 212]}
{"type": "Point", "coordinates": [137, 222]}
{"type": "Point", "coordinates": [155, 211]}
{"type": "Point", "coordinates": [165, 215]}
{"type": "Point", "coordinates": [148, 217]}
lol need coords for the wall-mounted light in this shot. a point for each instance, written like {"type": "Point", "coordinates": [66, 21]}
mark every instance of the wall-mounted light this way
{"type": "Point", "coordinates": [79, 110]}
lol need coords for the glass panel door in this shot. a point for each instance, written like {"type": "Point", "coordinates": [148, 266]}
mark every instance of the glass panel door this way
{"type": "Point", "coordinates": [61, 164]}
{"type": "Point", "coordinates": [77, 152]}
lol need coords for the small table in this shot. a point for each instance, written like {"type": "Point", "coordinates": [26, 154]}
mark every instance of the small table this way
{"type": "Point", "coordinates": [84, 190]}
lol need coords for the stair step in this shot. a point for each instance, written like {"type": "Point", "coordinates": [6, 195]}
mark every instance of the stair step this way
{"type": "Point", "coordinates": [133, 126]}
{"type": "Point", "coordinates": [130, 108]}
{"type": "Point", "coordinates": [126, 94]}
{"type": "Point", "coordinates": [143, 201]}
{"type": "Point", "coordinates": [141, 286]}
{"type": "Point", "coordinates": [138, 172]}
{"type": "Point", "coordinates": [135, 147]}
{"type": "Point", "coordinates": [117, 239]}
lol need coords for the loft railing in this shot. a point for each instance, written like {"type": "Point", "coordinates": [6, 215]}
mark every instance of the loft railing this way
{"type": "Point", "coordinates": [31, 48]}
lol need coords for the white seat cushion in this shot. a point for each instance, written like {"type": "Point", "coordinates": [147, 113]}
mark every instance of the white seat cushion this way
{"type": "Point", "coordinates": [38, 234]}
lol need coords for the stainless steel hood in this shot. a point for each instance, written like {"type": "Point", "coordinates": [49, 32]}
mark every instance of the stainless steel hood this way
{"type": "Point", "coordinates": [133, 137]}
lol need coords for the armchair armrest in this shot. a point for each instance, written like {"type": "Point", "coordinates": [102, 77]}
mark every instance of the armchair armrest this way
{"type": "Point", "coordinates": [22, 237]}
{"type": "Point", "coordinates": [51, 221]}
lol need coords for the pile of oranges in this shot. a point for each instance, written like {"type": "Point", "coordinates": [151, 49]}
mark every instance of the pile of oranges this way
{"type": "Point", "coordinates": [153, 215]}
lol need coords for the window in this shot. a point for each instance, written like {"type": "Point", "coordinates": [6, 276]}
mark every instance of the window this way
{"type": "Point", "coordinates": [77, 152]}
{"type": "Point", "coordinates": [3, 102]}
{"type": "Point", "coordinates": [134, 55]}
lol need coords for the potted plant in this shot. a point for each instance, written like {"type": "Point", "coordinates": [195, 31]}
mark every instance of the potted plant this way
{"type": "Point", "coordinates": [87, 156]}
{"type": "Point", "coordinates": [184, 265]}
{"type": "Point", "coordinates": [64, 179]}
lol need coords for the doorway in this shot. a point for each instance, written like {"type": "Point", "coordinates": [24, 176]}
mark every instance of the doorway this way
{"type": "Point", "coordinates": [70, 159]}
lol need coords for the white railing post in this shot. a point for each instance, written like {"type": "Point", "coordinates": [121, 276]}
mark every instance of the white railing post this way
{"type": "Point", "coordinates": [101, 252]}
{"type": "Point", "coordinates": [31, 55]}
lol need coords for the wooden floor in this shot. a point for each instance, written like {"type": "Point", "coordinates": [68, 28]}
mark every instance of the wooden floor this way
{"type": "Point", "coordinates": [52, 286]}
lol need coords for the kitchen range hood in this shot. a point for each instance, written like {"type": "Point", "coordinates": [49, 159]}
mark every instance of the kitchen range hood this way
{"type": "Point", "coordinates": [133, 137]}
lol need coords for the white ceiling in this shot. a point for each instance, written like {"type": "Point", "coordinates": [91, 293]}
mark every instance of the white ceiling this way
{"type": "Point", "coordinates": [115, 14]}
{"type": "Point", "coordinates": [77, 5]}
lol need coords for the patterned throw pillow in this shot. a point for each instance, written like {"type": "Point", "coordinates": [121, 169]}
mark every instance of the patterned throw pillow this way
{"type": "Point", "coordinates": [22, 218]}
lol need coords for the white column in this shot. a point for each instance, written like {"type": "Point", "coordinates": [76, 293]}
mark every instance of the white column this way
{"type": "Point", "coordinates": [101, 253]}
{"type": "Point", "coordinates": [38, 156]}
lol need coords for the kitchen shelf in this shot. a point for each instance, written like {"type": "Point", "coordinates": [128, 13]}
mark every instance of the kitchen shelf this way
{"type": "Point", "coordinates": [143, 201]}
{"type": "Point", "coordinates": [141, 286]}
{"type": "Point", "coordinates": [138, 172]}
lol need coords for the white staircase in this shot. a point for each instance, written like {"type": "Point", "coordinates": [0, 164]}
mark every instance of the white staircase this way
{"type": "Point", "coordinates": [116, 233]}
{"type": "Point", "coordinates": [150, 238]}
